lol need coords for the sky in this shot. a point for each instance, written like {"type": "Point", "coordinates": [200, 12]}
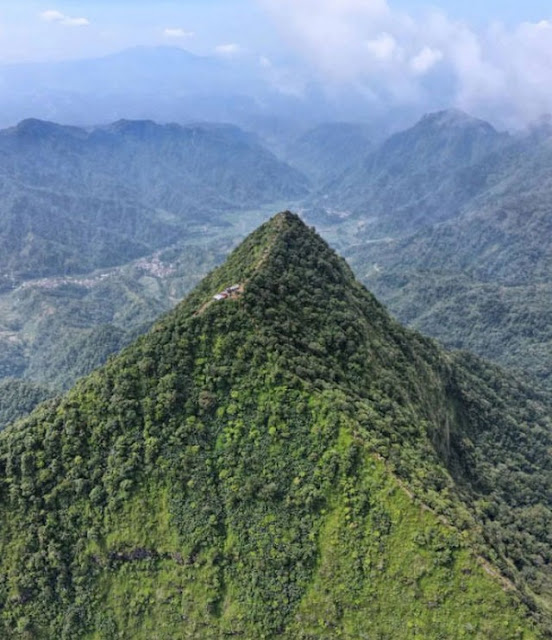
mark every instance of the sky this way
{"type": "Point", "coordinates": [57, 29]}
{"type": "Point", "coordinates": [483, 54]}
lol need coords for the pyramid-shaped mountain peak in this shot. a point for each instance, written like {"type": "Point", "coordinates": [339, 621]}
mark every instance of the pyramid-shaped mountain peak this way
{"type": "Point", "coordinates": [282, 245]}
{"type": "Point", "coordinates": [285, 461]}
{"type": "Point", "coordinates": [282, 237]}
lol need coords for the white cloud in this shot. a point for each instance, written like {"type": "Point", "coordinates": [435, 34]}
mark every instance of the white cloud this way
{"type": "Point", "coordinates": [52, 16]}
{"type": "Point", "coordinates": [177, 33]}
{"type": "Point", "coordinates": [384, 47]}
{"type": "Point", "coordinates": [426, 60]}
{"type": "Point", "coordinates": [229, 49]}
{"type": "Point", "coordinates": [76, 22]}
{"type": "Point", "coordinates": [60, 18]}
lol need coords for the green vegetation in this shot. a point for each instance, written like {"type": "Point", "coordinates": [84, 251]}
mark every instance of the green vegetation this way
{"type": "Point", "coordinates": [75, 200]}
{"type": "Point", "coordinates": [287, 463]}
{"type": "Point", "coordinates": [480, 282]}
{"type": "Point", "coordinates": [328, 150]}
{"type": "Point", "coordinates": [18, 398]}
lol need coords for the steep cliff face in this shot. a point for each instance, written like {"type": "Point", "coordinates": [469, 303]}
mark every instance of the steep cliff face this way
{"type": "Point", "coordinates": [285, 462]}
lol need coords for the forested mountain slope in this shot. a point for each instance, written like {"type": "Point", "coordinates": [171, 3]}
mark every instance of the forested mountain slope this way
{"type": "Point", "coordinates": [416, 177]}
{"type": "Point", "coordinates": [482, 280]}
{"type": "Point", "coordinates": [288, 462]}
{"type": "Point", "coordinates": [328, 150]}
{"type": "Point", "coordinates": [74, 200]}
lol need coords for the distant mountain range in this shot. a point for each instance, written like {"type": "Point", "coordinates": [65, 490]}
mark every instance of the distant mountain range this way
{"type": "Point", "coordinates": [170, 84]}
{"type": "Point", "coordinates": [418, 176]}
{"type": "Point", "coordinates": [165, 83]}
{"type": "Point", "coordinates": [448, 222]}
{"type": "Point", "coordinates": [75, 200]}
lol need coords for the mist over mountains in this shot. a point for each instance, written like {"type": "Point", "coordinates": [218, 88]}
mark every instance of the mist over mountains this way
{"type": "Point", "coordinates": [169, 84]}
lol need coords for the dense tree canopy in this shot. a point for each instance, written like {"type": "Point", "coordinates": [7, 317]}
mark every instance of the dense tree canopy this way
{"type": "Point", "coordinates": [288, 462]}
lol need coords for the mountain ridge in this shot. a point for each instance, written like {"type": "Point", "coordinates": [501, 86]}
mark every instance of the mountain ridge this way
{"type": "Point", "coordinates": [74, 198]}
{"type": "Point", "coordinates": [416, 177]}
{"type": "Point", "coordinates": [480, 279]}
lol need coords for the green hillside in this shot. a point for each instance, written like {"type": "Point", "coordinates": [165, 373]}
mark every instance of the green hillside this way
{"type": "Point", "coordinates": [18, 398]}
{"type": "Point", "coordinates": [416, 177]}
{"type": "Point", "coordinates": [286, 463]}
{"type": "Point", "coordinates": [74, 200]}
{"type": "Point", "coordinates": [480, 281]}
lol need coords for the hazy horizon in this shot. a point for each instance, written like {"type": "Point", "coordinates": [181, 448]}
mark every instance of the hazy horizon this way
{"type": "Point", "coordinates": [353, 59]}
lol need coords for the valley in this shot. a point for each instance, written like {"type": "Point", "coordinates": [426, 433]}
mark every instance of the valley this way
{"type": "Point", "coordinates": [473, 275]}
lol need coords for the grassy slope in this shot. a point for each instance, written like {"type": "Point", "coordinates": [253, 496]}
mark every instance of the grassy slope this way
{"type": "Point", "coordinates": [390, 570]}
